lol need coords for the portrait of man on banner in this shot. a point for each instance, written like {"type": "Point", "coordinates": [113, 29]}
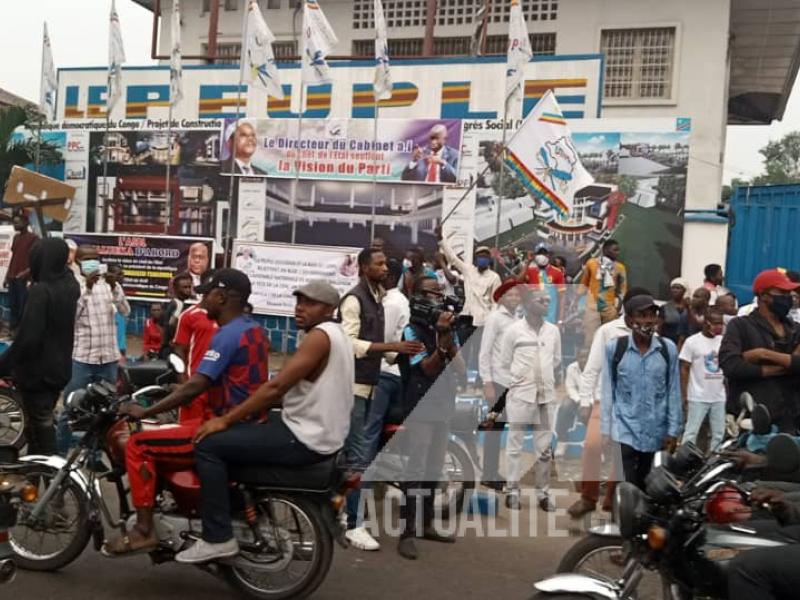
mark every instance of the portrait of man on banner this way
{"type": "Point", "coordinates": [435, 163]}
{"type": "Point", "coordinates": [241, 141]}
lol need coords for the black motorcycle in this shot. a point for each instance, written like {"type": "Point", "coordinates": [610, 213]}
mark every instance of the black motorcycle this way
{"type": "Point", "coordinates": [662, 544]}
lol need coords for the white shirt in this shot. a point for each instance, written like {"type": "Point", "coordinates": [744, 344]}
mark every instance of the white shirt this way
{"type": "Point", "coordinates": [572, 382]}
{"type": "Point", "coordinates": [705, 376]}
{"type": "Point", "coordinates": [318, 412]}
{"type": "Point", "coordinates": [531, 358]}
{"type": "Point", "coordinates": [489, 365]}
{"type": "Point", "coordinates": [447, 287]}
{"type": "Point", "coordinates": [396, 314]}
{"type": "Point", "coordinates": [245, 167]}
{"type": "Point", "coordinates": [591, 382]}
{"type": "Point", "coordinates": [479, 286]}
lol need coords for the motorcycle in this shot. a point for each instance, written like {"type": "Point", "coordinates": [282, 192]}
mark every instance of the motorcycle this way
{"type": "Point", "coordinates": [662, 544]}
{"type": "Point", "coordinates": [14, 489]}
{"type": "Point", "coordinates": [285, 521]}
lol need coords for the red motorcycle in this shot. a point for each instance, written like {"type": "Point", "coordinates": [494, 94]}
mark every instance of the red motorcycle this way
{"type": "Point", "coordinates": [285, 520]}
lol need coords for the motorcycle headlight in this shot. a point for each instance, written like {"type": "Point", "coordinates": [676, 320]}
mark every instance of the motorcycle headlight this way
{"type": "Point", "coordinates": [76, 401]}
{"type": "Point", "coordinates": [630, 504]}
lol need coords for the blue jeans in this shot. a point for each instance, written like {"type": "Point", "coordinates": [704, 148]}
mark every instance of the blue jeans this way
{"type": "Point", "coordinates": [356, 452]}
{"type": "Point", "coordinates": [387, 392]}
{"type": "Point", "coordinates": [716, 421]}
{"type": "Point", "coordinates": [82, 375]}
{"type": "Point", "coordinates": [17, 297]}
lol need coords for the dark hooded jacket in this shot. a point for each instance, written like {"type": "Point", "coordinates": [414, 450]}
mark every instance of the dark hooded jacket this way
{"type": "Point", "coordinates": [41, 356]}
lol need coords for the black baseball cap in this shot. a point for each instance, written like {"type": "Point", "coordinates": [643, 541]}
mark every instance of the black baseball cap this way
{"type": "Point", "coordinates": [639, 303]}
{"type": "Point", "coordinates": [227, 279]}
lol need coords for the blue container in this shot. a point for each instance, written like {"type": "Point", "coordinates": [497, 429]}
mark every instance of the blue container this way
{"type": "Point", "coordinates": [763, 235]}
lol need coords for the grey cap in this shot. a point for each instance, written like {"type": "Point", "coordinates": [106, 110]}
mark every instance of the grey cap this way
{"type": "Point", "coordinates": [319, 290]}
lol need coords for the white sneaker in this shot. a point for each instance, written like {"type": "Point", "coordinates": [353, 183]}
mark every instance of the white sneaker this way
{"type": "Point", "coordinates": [202, 552]}
{"type": "Point", "coordinates": [360, 538]}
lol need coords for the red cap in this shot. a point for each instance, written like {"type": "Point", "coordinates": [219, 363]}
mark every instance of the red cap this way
{"type": "Point", "coordinates": [507, 285]}
{"type": "Point", "coordinates": [773, 278]}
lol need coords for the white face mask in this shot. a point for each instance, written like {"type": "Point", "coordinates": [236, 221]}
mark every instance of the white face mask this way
{"type": "Point", "coordinates": [542, 260]}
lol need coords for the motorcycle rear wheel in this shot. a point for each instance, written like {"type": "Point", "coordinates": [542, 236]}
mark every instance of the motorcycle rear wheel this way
{"type": "Point", "coordinates": [459, 478]}
{"type": "Point", "coordinates": [312, 543]}
{"type": "Point", "coordinates": [69, 508]}
{"type": "Point", "coordinates": [12, 419]}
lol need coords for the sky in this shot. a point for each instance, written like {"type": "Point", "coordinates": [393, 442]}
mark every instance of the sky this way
{"type": "Point", "coordinates": [79, 37]}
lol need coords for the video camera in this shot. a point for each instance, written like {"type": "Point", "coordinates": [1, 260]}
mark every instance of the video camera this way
{"type": "Point", "coordinates": [425, 312]}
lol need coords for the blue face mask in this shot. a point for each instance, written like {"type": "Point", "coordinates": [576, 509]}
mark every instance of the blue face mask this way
{"type": "Point", "coordinates": [483, 262]}
{"type": "Point", "coordinates": [90, 266]}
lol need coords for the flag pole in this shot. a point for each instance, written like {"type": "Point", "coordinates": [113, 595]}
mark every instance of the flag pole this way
{"type": "Point", "coordinates": [296, 160]}
{"type": "Point", "coordinates": [105, 161]}
{"type": "Point", "coordinates": [502, 174]}
{"type": "Point", "coordinates": [169, 166]}
{"type": "Point", "coordinates": [374, 170]}
{"type": "Point", "coordinates": [232, 170]}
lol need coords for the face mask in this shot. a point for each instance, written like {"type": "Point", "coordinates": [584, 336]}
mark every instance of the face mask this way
{"type": "Point", "coordinates": [542, 260]}
{"type": "Point", "coordinates": [644, 330]}
{"type": "Point", "coordinates": [780, 306]}
{"type": "Point", "coordinates": [483, 262]}
{"type": "Point", "coordinates": [90, 266]}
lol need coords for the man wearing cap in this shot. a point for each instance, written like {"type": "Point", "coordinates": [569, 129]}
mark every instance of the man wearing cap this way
{"type": "Point", "coordinates": [315, 391]}
{"type": "Point", "coordinates": [237, 361]}
{"type": "Point", "coordinates": [756, 354]}
{"type": "Point", "coordinates": [492, 374]}
{"type": "Point", "coordinates": [243, 143]}
{"type": "Point", "coordinates": [531, 352]}
{"type": "Point", "coordinates": [541, 273]}
{"type": "Point", "coordinates": [641, 408]}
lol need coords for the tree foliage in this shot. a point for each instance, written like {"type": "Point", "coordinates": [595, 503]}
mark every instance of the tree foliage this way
{"type": "Point", "coordinates": [21, 152]}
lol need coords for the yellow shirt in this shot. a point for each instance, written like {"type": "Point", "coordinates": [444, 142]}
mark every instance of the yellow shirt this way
{"type": "Point", "coordinates": [599, 291]}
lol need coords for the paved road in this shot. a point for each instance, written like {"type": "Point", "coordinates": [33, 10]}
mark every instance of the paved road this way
{"type": "Point", "coordinates": [475, 567]}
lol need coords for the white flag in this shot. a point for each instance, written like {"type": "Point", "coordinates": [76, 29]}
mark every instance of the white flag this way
{"type": "Point", "coordinates": [175, 68]}
{"type": "Point", "coordinates": [542, 156]}
{"type": "Point", "coordinates": [519, 49]}
{"type": "Point", "coordinates": [49, 85]}
{"type": "Point", "coordinates": [318, 41]}
{"type": "Point", "coordinates": [383, 76]}
{"type": "Point", "coordinates": [258, 58]}
{"type": "Point", "coordinates": [116, 56]}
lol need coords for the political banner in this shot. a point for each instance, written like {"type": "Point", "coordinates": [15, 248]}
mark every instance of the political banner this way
{"type": "Point", "coordinates": [6, 239]}
{"type": "Point", "coordinates": [276, 270]}
{"type": "Point", "coordinates": [150, 262]}
{"type": "Point", "coordinates": [417, 151]}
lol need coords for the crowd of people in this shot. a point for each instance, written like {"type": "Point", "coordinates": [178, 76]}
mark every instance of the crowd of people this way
{"type": "Point", "coordinates": [551, 350]}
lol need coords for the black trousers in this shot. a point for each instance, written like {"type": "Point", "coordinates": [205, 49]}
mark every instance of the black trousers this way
{"type": "Point", "coordinates": [40, 431]}
{"type": "Point", "coordinates": [636, 465]}
{"type": "Point", "coordinates": [767, 573]}
{"type": "Point", "coordinates": [270, 443]}
{"type": "Point", "coordinates": [17, 297]}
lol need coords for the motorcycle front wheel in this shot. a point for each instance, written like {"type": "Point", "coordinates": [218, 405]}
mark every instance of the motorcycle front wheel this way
{"type": "Point", "coordinates": [604, 557]}
{"type": "Point", "coordinates": [300, 554]}
{"type": "Point", "coordinates": [60, 534]}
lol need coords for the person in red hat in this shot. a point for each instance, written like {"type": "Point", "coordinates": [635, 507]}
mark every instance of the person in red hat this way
{"type": "Point", "coordinates": [756, 354]}
{"type": "Point", "coordinates": [508, 298]}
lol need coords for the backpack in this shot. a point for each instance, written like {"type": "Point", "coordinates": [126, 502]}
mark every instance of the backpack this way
{"type": "Point", "coordinates": [622, 347]}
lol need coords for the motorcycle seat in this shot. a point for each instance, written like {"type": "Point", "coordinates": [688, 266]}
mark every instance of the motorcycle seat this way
{"type": "Point", "coordinates": [317, 477]}
{"type": "Point", "coordinates": [145, 372]}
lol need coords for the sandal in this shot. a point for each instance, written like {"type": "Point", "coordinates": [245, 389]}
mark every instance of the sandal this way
{"type": "Point", "coordinates": [122, 546]}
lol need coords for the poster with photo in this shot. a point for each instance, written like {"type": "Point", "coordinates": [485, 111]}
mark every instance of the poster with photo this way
{"type": "Point", "coordinates": [639, 167]}
{"type": "Point", "coordinates": [150, 262]}
{"type": "Point", "coordinates": [276, 270]}
{"type": "Point", "coordinates": [425, 151]}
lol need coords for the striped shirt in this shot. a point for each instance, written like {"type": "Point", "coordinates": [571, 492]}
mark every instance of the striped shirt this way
{"type": "Point", "coordinates": [95, 323]}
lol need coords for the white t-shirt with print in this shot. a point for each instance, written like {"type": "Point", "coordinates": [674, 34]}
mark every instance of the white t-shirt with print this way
{"type": "Point", "coordinates": [705, 376]}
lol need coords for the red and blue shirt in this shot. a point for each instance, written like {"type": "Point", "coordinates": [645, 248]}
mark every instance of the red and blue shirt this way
{"type": "Point", "coordinates": [237, 360]}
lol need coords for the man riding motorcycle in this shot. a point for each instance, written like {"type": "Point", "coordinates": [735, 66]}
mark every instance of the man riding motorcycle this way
{"type": "Point", "coordinates": [236, 360]}
{"type": "Point", "coordinates": [315, 391]}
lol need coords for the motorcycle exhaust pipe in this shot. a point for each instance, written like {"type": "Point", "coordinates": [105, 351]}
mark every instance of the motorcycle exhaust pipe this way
{"type": "Point", "coordinates": [8, 571]}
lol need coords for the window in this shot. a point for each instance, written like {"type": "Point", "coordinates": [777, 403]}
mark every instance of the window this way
{"type": "Point", "coordinates": [397, 47]}
{"type": "Point", "coordinates": [206, 6]}
{"type": "Point", "coordinates": [231, 4]}
{"type": "Point", "coordinates": [285, 49]}
{"type": "Point", "coordinates": [542, 44]}
{"type": "Point", "coordinates": [228, 54]}
{"type": "Point", "coordinates": [271, 4]}
{"type": "Point", "coordinates": [398, 13]}
{"type": "Point", "coordinates": [639, 62]}
{"type": "Point", "coordinates": [534, 10]}
{"type": "Point", "coordinates": [451, 46]}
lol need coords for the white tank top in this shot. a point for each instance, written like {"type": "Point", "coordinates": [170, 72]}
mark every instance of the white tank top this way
{"type": "Point", "coordinates": [318, 412]}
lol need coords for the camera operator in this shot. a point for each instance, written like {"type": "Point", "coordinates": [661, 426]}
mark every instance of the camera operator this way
{"type": "Point", "coordinates": [430, 380]}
